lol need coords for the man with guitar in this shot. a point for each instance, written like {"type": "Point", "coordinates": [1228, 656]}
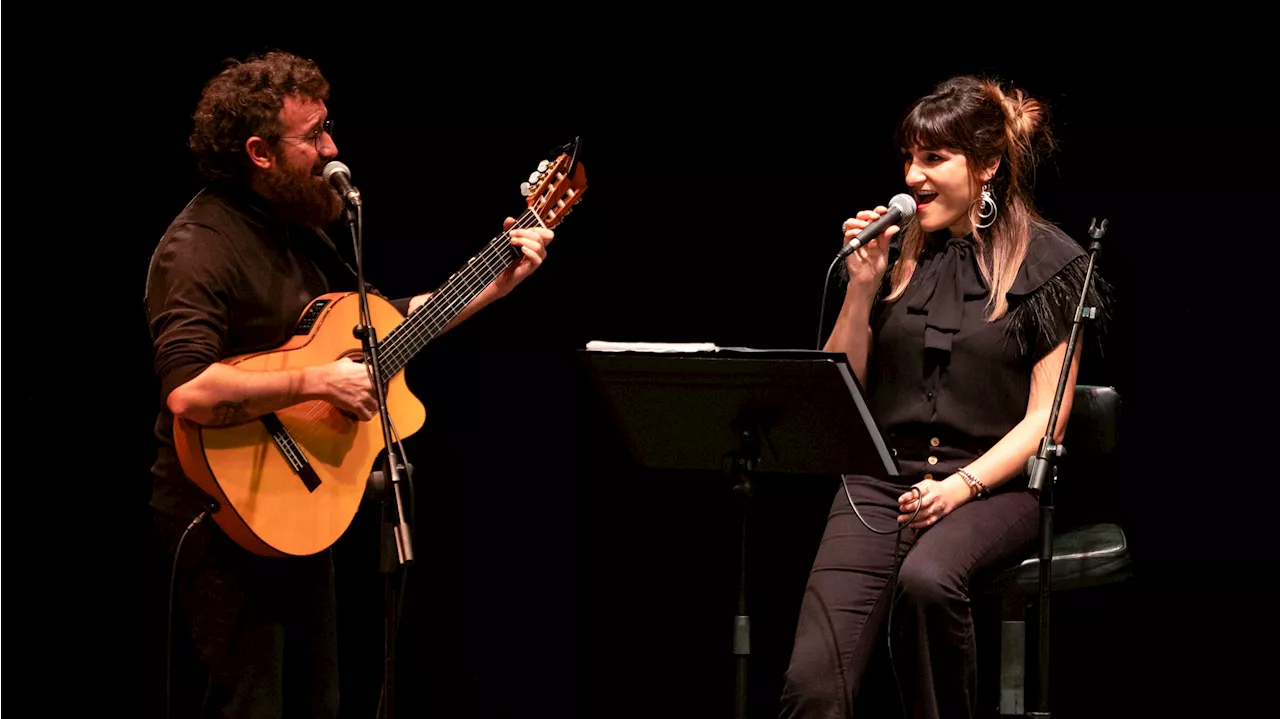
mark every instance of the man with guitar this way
{"type": "Point", "coordinates": [232, 276]}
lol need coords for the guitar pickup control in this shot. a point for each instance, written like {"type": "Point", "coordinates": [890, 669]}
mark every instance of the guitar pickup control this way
{"type": "Point", "coordinates": [309, 317]}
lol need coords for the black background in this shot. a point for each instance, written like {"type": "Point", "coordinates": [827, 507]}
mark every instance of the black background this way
{"type": "Point", "coordinates": [719, 168]}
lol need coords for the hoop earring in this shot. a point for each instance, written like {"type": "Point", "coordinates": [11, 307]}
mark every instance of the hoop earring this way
{"type": "Point", "coordinates": [987, 209]}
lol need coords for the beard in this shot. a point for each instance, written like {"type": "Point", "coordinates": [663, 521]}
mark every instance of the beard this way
{"type": "Point", "coordinates": [299, 196]}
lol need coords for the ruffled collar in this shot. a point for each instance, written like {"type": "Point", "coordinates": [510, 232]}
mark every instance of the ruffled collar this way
{"type": "Point", "coordinates": [949, 277]}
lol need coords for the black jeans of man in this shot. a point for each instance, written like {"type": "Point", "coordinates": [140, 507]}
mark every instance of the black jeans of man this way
{"type": "Point", "coordinates": [846, 604]}
{"type": "Point", "coordinates": [263, 628]}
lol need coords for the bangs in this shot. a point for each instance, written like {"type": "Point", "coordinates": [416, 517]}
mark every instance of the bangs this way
{"type": "Point", "coordinates": [932, 126]}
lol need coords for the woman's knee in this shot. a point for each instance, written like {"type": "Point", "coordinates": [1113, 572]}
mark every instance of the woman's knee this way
{"type": "Point", "coordinates": [927, 582]}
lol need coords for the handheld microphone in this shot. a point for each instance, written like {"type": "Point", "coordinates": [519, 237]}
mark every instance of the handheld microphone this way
{"type": "Point", "coordinates": [339, 175]}
{"type": "Point", "coordinates": [901, 208]}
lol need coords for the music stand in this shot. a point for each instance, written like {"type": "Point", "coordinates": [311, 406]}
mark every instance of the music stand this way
{"type": "Point", "coordinates": [742, 412]}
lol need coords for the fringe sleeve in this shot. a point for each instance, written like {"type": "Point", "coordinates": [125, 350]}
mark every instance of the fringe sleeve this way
{"type": "Point", "coordinates": [1042, 319]}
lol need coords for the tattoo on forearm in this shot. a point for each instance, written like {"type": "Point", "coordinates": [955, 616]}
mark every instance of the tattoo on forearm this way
{"type": "Point", "coordinates": [225, 413]}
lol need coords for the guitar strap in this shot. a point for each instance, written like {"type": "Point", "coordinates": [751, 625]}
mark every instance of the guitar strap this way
{"type": "Point", "coordinates": [333, 253]}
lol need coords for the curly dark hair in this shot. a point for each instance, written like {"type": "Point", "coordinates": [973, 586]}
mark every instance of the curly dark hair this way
{"type": "Point", "coordinates": [244, 100]}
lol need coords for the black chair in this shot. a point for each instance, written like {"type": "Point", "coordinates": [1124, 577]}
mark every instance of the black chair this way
{"type": "Point", "coordinates": [1088, 550]}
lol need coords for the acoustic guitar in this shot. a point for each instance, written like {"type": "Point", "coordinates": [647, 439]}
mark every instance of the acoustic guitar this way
{"type": "Point", "coordinates": [289, 483]}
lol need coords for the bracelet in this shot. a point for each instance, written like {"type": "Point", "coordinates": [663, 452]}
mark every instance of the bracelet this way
{"type": "Point", "coordinates": [975, 485]}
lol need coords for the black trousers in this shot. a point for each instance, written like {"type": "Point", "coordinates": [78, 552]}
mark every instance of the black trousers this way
{"type": "Point", "coordinates": [263, 628]}
{"type": "Point", "coordinates": [846, 604]}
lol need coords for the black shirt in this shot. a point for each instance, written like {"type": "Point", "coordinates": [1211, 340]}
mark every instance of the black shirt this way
{"type": "Point", "coordinates": [227, 278]}
{"type": "Point", "coordinates": [938, 370]}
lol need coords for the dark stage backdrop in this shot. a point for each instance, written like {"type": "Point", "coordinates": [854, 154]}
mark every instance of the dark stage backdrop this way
{"type": "Point", "coordinates": [550, 580]}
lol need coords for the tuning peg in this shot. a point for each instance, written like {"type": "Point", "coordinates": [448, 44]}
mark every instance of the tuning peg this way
{"type": "Point", "coordinates": [524, 189]}
{"type": "Point", "coordinates": [534, 177]}
{"type": "Point", "coordinates": [542, 166]}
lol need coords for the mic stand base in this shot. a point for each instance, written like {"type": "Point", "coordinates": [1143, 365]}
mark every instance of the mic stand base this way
{"type": "Point", "coordinates": [1038, 631]}
{"type": "Point", "coordinates": [390, 553]}
{"type": "Point", "coordinates": [389, 564]}
{"type": "Point", "coordinates": [739, 466]}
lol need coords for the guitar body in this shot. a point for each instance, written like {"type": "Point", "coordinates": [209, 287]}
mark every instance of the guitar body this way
{"type": "Point", "coordinates": [266, 504]}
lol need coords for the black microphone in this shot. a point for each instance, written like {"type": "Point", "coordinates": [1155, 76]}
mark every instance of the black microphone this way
{"type": "Point", "coordinates": [339, 175]}
{"type": "Point", "coordinates": [901, 208]}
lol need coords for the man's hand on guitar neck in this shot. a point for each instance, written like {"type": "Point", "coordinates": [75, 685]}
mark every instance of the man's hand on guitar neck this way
{"type": "Point", "coordinates": [532, 242]}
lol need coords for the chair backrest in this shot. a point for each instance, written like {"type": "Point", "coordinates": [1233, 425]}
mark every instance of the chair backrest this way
{"type": "Point", "coordinates": [1094, 425]}
{"type": "Point", "coordinates": [1089, 486]}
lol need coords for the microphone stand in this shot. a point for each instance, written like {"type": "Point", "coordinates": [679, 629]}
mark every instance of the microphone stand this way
{"type": "Point", "coordinates": [1043, 469]}
{"type": "Point", "coordinates": [392, 512]}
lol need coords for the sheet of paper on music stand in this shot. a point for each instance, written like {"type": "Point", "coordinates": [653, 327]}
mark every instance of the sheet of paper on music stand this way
{"type": "Point", "coordinates": [603, 346]}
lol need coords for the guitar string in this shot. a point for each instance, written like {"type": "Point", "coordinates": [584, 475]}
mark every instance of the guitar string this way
{"type": "Point", "coordinates": [314, 417]}
{"type": "Point", "coordinates": [290, 449]}
{"type": "Point", "coordinates": [393, 344]}
{"type": "Point", "coordinates": [490, 258]}
{"type": "Point", "coordinates": [495, 247]}
{"type": "Point", "coordinates": [396, 349]}
{"type": "Point", "coordinates": [281, 437]}
{"type": "Point", "coordinates": [495, 258]}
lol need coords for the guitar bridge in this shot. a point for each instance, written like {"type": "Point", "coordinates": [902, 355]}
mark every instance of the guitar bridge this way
{"type": "Point", "coordinates": [292, 453]}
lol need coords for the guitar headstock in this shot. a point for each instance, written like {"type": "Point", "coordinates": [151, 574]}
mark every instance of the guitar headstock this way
{"type": "Point", "coordinates": [554, 188]}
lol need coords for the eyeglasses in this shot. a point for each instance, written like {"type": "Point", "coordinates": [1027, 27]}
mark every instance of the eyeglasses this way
{"type": "Point", "coordinates": [315, 135]}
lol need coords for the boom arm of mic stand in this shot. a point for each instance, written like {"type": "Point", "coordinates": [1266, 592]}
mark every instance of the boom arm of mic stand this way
{"type": "Point", "coordinates": [367, 334]}
{"type": "Point", "coordinates": [1039, 465]}
{"type": "Point", "coordinates": [1043, 474]}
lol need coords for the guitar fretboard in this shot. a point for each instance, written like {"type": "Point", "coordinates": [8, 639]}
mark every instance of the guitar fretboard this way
{"type": "Point", "coordinates": [424, 325]}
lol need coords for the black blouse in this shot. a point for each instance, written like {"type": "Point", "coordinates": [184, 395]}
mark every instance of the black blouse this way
{"type": "Point", "coordinates": [938, 370]}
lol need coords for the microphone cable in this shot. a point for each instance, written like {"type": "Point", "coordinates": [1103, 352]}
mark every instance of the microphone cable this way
{"type": "Point", "coordinates": [897, 542]}
{"type": "Point", "coordinates": [168, 639]}
{"type": "Point", "coordinates": [390, 642]}
{"type": "Point", "coordinates": [822, 309]}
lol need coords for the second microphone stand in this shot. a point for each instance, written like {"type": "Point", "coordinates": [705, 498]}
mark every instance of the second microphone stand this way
{"type": "Point", "coordinates": [393, 513]}
{"type": "Point", "coordinates": [1044, 472]}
